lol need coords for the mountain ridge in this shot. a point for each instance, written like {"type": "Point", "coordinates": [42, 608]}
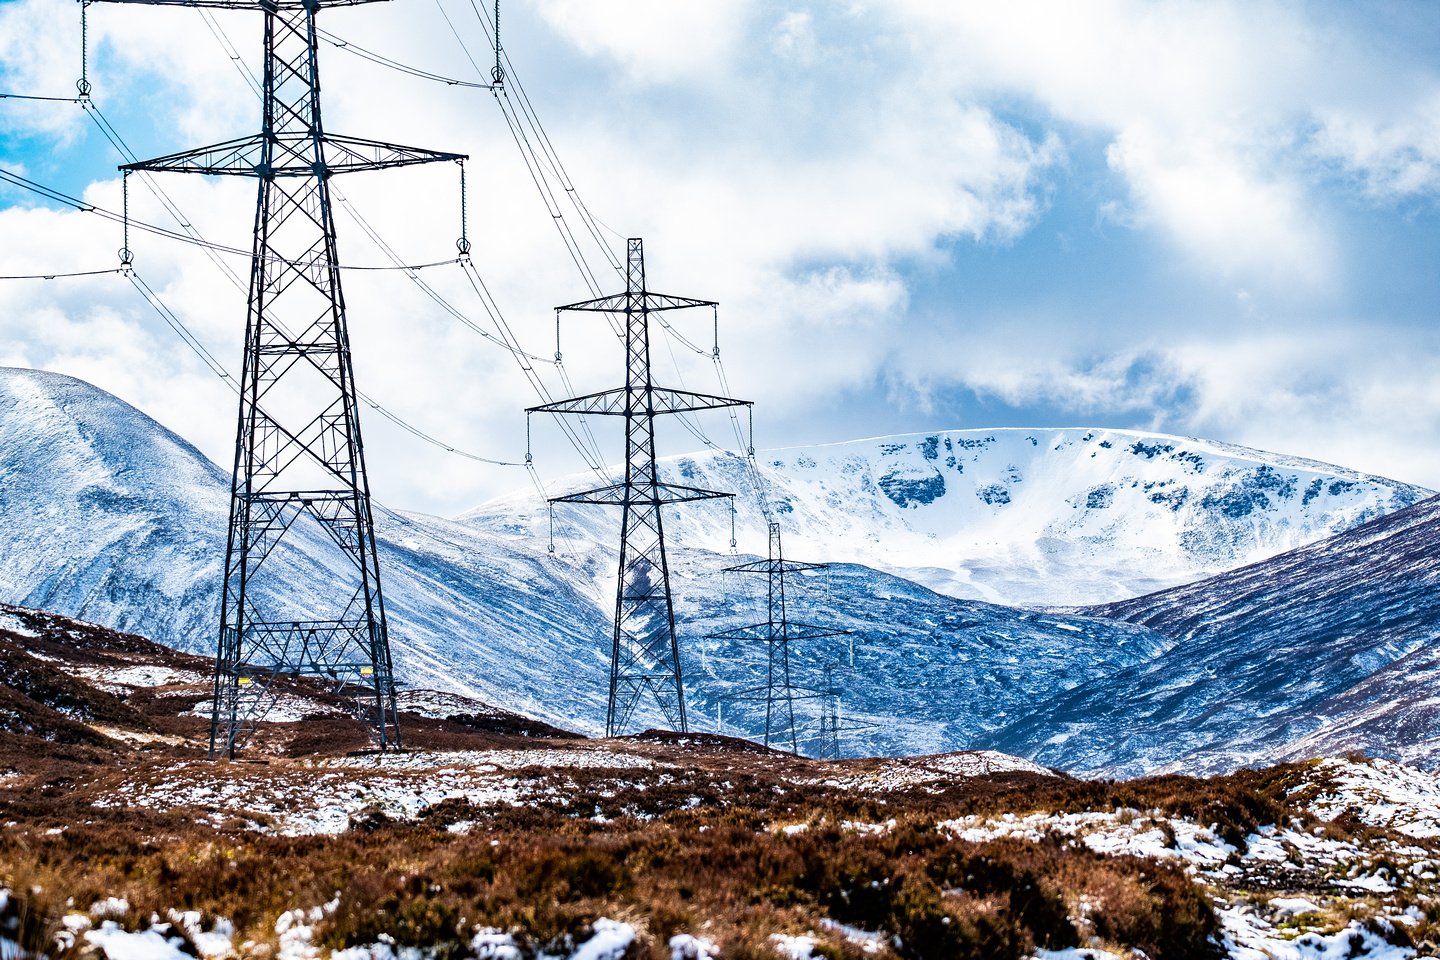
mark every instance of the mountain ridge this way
{"type": "Point", "coordinates": [1319, 651]}
{"type": "Point", "coordinates": [107, 516]}
{"type": "Point", "coordinates": [1017, 516]}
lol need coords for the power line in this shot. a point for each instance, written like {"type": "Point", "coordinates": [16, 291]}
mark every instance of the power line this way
{"type": "Point", "coordinates": [188, 237]}
{"type": "Point", "coordinates": [57, 276]}
{"type": "Point", "coordinates": [153, 299]}
{"type": "Point", "coordinates": [359, 51]}
{"type": "Point", "coordinates": [506, 340]}
{"type": "Point", "coordinates": [26, 96]}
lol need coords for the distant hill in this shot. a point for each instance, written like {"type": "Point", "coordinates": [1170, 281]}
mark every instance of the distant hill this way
{"type": "Point", "coordinates": [1019, 516]}
{"type": "Point", "coordinates": [1323, 650]}
{"type": "Point", "coordinates": [107, 516]}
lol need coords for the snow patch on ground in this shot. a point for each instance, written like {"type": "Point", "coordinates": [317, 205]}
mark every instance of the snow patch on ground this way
{"type": "Point", "coordinates": [284, 708]}
{"type": "Point", "coordinates": [295, 804]}
{"type": "Point", "coordinates": [609, 942]}
{"type": "Point", "coordinates": [684, 946]}
{"type": "Point", "coordinates": [1121, 832]}
{"type": "Point", "coordinates": [1129, 832]}
{"type": "Point", "coordinates": [494, 760]}
{"type": "Point", "coordinates": [492, 944]}
{"type": "Point", "coordinates": [140, 675]}
{"type": "Point", "coordinates": [1381, 793]}
{"type": "Point", "coordinates": [440, 705]}
{"type": "Point", "coordinates": [793, 948]}
{"type": "Point", "coordinates": [1250, 937]}
{"type": "Point", "coordinates": [151, 944]}
{"type": "Point", "coordinates": [908, 772]}
{"type": "Point", "coordinates": [868, 941]}
{"type": "Point", "coordinates": [13, 623]}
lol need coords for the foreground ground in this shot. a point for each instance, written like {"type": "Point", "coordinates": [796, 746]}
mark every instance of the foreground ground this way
{"type": "Point", "coordinates": [494, 837]}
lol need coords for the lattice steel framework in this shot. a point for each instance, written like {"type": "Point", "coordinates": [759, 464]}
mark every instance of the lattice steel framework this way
{"type": "Point", "coordinates": [777, 633]}
{"type": "Point", "coordinates": [828, 745]}
{"type": "Point", "coordinates": [299, 460]}
{"type": "Point", "coordinates": [645, 655]}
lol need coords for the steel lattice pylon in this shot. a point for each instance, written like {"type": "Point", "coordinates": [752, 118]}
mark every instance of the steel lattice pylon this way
{"type": "Point", "coordinates": [828, 747]}
{"type": "Point", "coordinates": [777, 632]}
{"type": "Point", "coordinates": [645, 655]}
{"type": "Point", "coordinates": [299, 461]}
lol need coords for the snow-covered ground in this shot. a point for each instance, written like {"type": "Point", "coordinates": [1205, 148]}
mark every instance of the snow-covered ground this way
{"type": "Point", "coordinates": [490, 760]}
{"type": "Point", "coordinates": [1386, 882]}
{"type": "Point", "coordinates": [1290, 891]}
{"type": "Point", "coordinates": [301, 803]}
{"type": "Point", "coordinates": [910, 772]}
{"type": "Point", "coordinates": [323, 796]}
{"type": "Point", "coordinates": [173, 937]}
{"type": "Point", "coordinates": [1380, 793]}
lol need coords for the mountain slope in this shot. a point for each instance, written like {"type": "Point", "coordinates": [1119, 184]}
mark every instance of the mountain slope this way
{"type": "Point", "coordinates": [109, 517]}
{"type": "Point", "coordinates": [1323, 649]}
{"type": "Point", "coordinates": [1019, 517]}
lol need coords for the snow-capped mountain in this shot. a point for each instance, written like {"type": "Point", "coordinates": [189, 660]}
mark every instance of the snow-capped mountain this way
{"type": "Point", "coordinates": [107, 516]}
{"type": "Point", "coordinates": [1317, 652]}
{"type": "Point", "coordinates": [1019, 517]}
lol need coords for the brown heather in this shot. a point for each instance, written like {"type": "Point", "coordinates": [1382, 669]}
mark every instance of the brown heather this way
{"type": "Point", "coordinates": [692, 845]}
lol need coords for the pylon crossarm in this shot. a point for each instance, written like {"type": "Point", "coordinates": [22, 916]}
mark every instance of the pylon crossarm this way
{"type": "Point", "coordinates": [260, 5]}
{"type": "Point", "coordinates": [760, 694]}
{"type": "Point", "coordinates": [754, 631]}
{"type": "Point", "coordinates": [245, 157]}
{"type": "Point", "coordinates": [611, 403]}
{"type": "Point", "coordinates": [775, 566]}
{"type": "Point", "coordinates": [623, 302]}
{"type": "Point", "coordinates": [769, 633]}
{"type": "Point", "coordinates": [622, 494]}
{"type": "Point", "coordinates": [809, 631]}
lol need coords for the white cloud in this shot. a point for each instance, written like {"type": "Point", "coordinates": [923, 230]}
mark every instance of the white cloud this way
{"type": "Point", "coordinates": [1224, 211]}
{"type": "Point", "coordinates": [1393, 157]}
{"type": "Point", "coordinates": [655, 41]}
{"type": "Point", "coordinates": [1339, 395]}
{"type": "Point", "coordinates": [793, 38]}
{"type": "Point", "coordinates": [1209, 109]}
{"type": "Point", "coordinates": [800, 163]}
{"type": "Point", "coordinates": [1342, 396]}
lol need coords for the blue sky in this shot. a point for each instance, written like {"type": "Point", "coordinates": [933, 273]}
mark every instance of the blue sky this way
{"type": "Point", "coordinates": [1212, 219]}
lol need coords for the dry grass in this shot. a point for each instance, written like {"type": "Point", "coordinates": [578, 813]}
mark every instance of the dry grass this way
{"type": "Point", "coordinates": [690, 846]}
{"type": "Point", "coordinates": [713, 869]}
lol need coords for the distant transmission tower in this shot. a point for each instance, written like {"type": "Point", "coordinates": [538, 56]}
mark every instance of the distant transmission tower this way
{"type": "Point", "coordinates": [828, 746]}
{"type": "Point", "coordinates": [777, 632]}
{"type": "Point", "coordinates": [299, 461]}
{"type": "Point", "coordinates": [645, 656]}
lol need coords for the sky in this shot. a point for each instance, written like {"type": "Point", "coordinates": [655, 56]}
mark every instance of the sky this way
{"type": "Point", "coordinates": [1211, 219]}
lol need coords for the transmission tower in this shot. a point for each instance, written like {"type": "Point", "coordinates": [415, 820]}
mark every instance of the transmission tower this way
{"type": "Point", "coordinates": [299, 461]}
{"type": "Point", "coordinates": [645, 656]}
{"type": "Point", "coordinates": [828, 747]}
{"type": "Point", "coordinates": [777, 632]}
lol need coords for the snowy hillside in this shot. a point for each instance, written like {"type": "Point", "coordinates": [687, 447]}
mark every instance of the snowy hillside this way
{"type": "Point", "coordinates": [1019, 517]}
{"type": "Point", "coordinates": [109, 517]}
{"type": "Point", "coordinates": [1320, 651]}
